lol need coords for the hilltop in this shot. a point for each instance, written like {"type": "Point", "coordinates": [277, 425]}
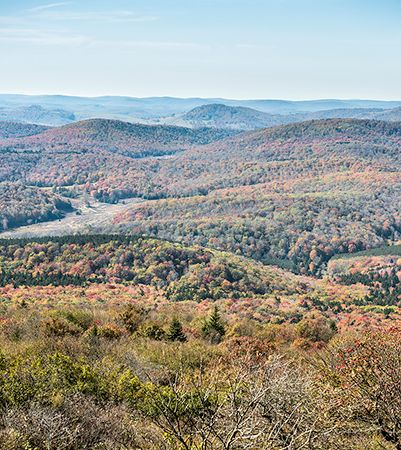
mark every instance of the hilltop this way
{"type": "Point", "coordinates": [232, 117]}
{"type": "Point", "coordinates": [242, 118]}
{"type": "Point", "coordinates": [135, 140]}
{"type": "Point", "coordinates": [295, 194]}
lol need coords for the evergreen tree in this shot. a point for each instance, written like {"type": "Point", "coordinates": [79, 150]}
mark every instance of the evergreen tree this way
{"type": "Point", "coordinates": [214, 327]}
{"type": "Point", "coordinates": [175, 332]}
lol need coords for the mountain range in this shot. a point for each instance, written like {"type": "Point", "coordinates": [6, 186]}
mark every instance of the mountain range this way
{"type": "Point", "coordinates": [242, 118]}
{"type": "Point", "coordinates": [58, 110]}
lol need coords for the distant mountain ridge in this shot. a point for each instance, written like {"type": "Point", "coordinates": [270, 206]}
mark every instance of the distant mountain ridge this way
{"type": "Point", "coordinates": [242, 118]}
{"type": "Point", "coordinates": [233, 117]}
{"type": "Point", "coordinates": [144, 109]}
{"type": "Point", "coordinates": [36, 114]}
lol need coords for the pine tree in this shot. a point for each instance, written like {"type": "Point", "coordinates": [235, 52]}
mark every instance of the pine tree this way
{"type": "Point", "coordinates": [214, 327]}
{"type": "Point", "coordinates": [175, 332]}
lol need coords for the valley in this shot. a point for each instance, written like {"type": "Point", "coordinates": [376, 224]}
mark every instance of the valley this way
{"type": "Point", "coordinates": [86, 217]}
{"type": "Point", "coordinates": [293, 195]}
{"type": "Point", "coordinates": [200, 225]}
{"type": "Point", "coordinates": [158, 282]}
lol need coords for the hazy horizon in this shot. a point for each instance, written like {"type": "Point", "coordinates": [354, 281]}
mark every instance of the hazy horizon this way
{"type": "Point", "coordinates": [60, 94]}
{"type": "Point", "coordinates": [254, 49]}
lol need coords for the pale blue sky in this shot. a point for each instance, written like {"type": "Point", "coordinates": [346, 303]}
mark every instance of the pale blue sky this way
{"type": "Point", "coordinates": [292, 49]}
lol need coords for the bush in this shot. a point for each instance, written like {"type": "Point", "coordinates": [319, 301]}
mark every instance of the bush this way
{"type": "Point", "coordinates": [60, 327]}
{"type": "Point", "coordinates": [152, 331]}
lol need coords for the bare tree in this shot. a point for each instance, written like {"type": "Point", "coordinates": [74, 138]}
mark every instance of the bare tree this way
{"type": "Point", "coordinates": [245, 406]}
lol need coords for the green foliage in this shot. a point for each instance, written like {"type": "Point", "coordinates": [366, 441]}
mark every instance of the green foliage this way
{"type": "Point", "coordinates": [152, 331]}
{"type": "Point", "coordinates": [132, 317]}
{"type": "Point", "coordinates": [185, 273]}
{"type": "Point", "coordinates": [22, 205]}
{"type": "Point", "coordinates": [213, 327]}
{"type": "Point", "coordinates": [175, 331]}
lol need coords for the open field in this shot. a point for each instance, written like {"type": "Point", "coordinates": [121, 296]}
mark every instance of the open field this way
{"type": "Point", "coordinates": [82, 220]}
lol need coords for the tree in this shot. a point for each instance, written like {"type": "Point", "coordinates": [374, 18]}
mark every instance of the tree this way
{"type": "Point", "coordinates": [243, 405]}
{"type": "Point", "coordinates": [175, 332]}
{"type": "Point", "coordinates": [214, 327]}
{"type": "Point", "coordinates": [132, 317]}
{"type": "Point", "coordinates": [365, 376]}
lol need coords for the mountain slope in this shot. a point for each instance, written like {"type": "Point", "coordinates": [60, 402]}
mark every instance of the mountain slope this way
{"type": "Point", "coordinates": [132, 109]}
{"type": "Point", "coordinates": [37, 114]}
{"type": "Point", "coordinates": [18, 129]}
{"type": "Point", "coordinates": [121, 137]}
{"type": "Point", "coordinates": [101, 156]}
{"type": "Point", "coordinates": [297, 194]}
{"type": "Point", "coordinates": [101, 152]}
{"type": "Point", "coordinates": [232, 117]}
{"type": "Point", "coordinates": [283, 153]}
{"type": "Point", "coordinates": [391, 115]}
{"type": "Point", "coordinates": [188, 273]}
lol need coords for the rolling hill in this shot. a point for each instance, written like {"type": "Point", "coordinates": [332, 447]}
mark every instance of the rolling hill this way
{"type": "Point", "coordinates": [283, 153]}
{"type": "Point", "coordinates": [133, 140]}
{"type": "Point", "coordinates": [135, 109]}
{"type": "Point", "coordinates": [182, 271]}
{"type": "Point", "coordinates": [232, 117]}
{"type": "Point", "coordinates": [95, 151]}
{"type": "Point", "coordinates": [295, 194]}
{"type": "Point", "coordinates": [36, 114]}
{"type": "Point", "coordinates": [18, 129]}
{"type": "Point", "coordinates": [241, 118]}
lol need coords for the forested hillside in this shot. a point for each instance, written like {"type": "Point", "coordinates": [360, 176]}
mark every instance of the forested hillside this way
{"type": "Point", "coordinates": [379, 269]}
{"type": "Point", "coordinates": [231, 117]}
{"type": "Point", "coordinates": [111, 340]}
{"type": "Point", "coordinates": [187, 273]}
{"type": "Point", "coordinates": [294, 194]}
{"type": "Point", "coordinates": [99, 152]}
{"type": "Point", "coordinates": [132, 341]}
{"type": "Point", "coordinates": [298, 224]}
{"type": "Point", "coordinates": [21, 205]}
{"type": "Point", "coordinates": [37, 114]}
{"type": "Point", "coordinates": [114, 136]}
{"type": "Point", "coordinates": [17, 129]}
{"type": "Point", "coordinates": [301, 194]}
{"type": "Point", "coordinates": [178, 273]}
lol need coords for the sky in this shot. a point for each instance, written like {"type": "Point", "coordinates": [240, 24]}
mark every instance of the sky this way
{"type": "Point", "coordinates": [287, 49]}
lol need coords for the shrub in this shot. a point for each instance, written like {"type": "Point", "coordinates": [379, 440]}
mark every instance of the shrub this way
{"type": "Point", "coordinates": [152, 331]}
{"type": "Point", "coordinates": [55, 326]}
